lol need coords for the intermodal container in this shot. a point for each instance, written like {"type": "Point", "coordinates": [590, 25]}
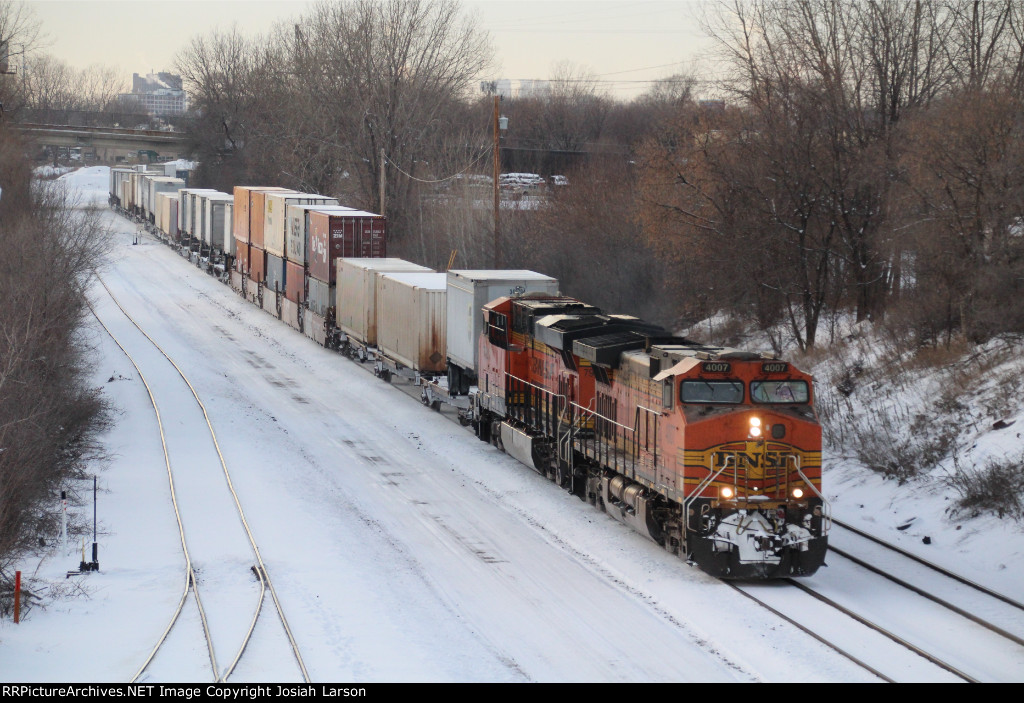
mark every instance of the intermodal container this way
{"type": "Point", "coordinates": [356, 306]}
{"type": "Point", "coordinates": [469, 291]}
{"type": "Point", "coordinates": [411, 314]}
{"type": "Point", "coordinates": [257, 214]}
{"type": "Point", "coordinates": [320, 296]}
{"type": "Point", "coordinates": [242, 212]}
{"type": "Point", "coordinates": [297, 229]}
{"type": "Point", "coordinates": [188, 218]}
{"type": "Point", "coordinates": [275, 272]}
{"type": "Point", "coordinates": [334, 235]}
{"type": "Point", "coordinates": [257, 264]}
{"type": "Point", "coordinates": [229, 230]}
{"type": "Point", "coordinates": [241, 257]}
{"type": "Point", "coordinates": [216, 211]}
{"type": "Point", "coordinates": [167, 214]}
{"type": "Point", "coordinates": [118, 178]}
{"type": "Point", "coordinates": [294, 282]}
{"type": "Point", "coordinates": [156, 185]}
{"type": "Point", "coordinates": [275, 216]}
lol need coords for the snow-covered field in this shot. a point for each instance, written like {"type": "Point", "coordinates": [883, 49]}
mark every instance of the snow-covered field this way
{"type": "Point", "coordinates": [401, 547]}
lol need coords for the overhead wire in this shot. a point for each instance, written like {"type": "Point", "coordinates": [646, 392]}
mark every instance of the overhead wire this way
{"type": "Point", "coordinates": [439, 180]}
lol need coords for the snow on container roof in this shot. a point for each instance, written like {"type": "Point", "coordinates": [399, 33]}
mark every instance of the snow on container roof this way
{"type": "Point", "coordinates": [428, 281]}
{"type": "Point", "coordinates": [391, 264]}
{"type": "Point", "coordinates": [500, 275]}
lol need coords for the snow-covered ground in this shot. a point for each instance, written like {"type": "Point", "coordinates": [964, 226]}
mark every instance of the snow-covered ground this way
{"type": "Point", "coordinates": [401, 547]}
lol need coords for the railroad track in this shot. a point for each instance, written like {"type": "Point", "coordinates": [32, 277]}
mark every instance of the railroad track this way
{"type": "Point", "coordinates": [964, 631]}
{"type": "Point", "coordinates": [937, 665]}
{"type": "Point", "coordinates": [190, 578]}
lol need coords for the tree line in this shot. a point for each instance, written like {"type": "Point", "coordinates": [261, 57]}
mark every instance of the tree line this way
{"type": "Point", "coordinates": [50, 415]}
{"type": "Point", "coordinates": [857, 157]}
{"type": "Point", "coordinates": [868, 158]}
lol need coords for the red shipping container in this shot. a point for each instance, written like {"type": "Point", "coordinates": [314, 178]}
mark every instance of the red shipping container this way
{"type": "Point", "coordinates": [243, 214]}
{"type": "Point", "coordinates": [294, 282]}
{"type": "Point", "coordinates": [257, 264]}
{"type": "Point", "coordinates": [337, 235]}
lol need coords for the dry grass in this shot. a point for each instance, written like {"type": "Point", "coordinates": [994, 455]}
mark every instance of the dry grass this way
{"type": "Point", "coordinates": [995, 488]}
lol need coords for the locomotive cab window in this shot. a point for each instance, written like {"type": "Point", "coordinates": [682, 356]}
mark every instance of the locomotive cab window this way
{"type": "Point", "coordinates": [711, 392]}
{"type": "Point", "coordinates": [497, 330]}
{"type": "Point", "coordinates": [780, 392]}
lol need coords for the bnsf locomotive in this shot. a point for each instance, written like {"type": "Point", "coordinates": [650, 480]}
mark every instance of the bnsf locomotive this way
{"type": "Point", "coordinates": [713, 453]}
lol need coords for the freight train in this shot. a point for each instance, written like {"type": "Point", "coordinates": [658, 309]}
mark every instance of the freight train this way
{"type": "Point", "coordinates": [713, 453]}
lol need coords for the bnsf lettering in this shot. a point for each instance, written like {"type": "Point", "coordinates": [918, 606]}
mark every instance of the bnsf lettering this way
{"type": "Point", "coordinates": [768, 460]}
{"type": "Point", "coordinates": [716, 367]}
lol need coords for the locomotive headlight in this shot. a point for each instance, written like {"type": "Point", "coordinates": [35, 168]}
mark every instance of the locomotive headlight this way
{"type": "Point", "coordinates": [726, 492]}
{"type": "Point", "coordinates": [755, 422]}
{"type": "Point", "coordinates": [755, 431]}
{"type": "Point", "coordinates": [755, 427]}
{"type": "Point", "coordinates": [798, 493]}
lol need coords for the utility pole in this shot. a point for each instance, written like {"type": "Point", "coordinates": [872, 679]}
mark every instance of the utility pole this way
{"type": "Point", "coordinates": [383, 164]}
{"type": "Point", "coordinates": [497, 173]}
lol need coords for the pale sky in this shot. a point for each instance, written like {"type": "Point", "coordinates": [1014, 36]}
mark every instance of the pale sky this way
{"type": "Point", "coordinates": [626, 44]}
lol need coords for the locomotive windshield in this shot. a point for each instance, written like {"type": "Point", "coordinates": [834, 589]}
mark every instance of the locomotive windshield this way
{"type": "Point", "coordinates": [779, 392]}
{"type": "Point", "coordinates": [711, 392]}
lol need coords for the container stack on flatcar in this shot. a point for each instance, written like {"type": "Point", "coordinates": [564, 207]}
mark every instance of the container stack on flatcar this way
{"type": "Point", "coordinates": [356, 311]}
{"type": "Point", "coordinates": [713, 453]}
{"type": "Point", "coordinates": [216, 240]}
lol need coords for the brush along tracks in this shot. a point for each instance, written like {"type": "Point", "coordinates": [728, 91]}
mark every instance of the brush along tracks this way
{"type": "Point", "coordinates": [197, 497]}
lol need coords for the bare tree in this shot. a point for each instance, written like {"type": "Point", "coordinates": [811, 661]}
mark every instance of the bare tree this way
{"type": "Point", "coordinates": [390, 73]}
{"type": "Point", "coordinates": [350, 90]}
{"type": "Point", "coordinates": [966, 169]}
{"type": "Point", "coordinates": [49, 416]}
{"type": "Point", "coordinates": [221, 73]}
{"type": "Point", "coordinates": [20, 36]}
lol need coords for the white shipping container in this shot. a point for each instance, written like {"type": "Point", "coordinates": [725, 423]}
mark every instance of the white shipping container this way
{"type": "Point", "coordinates": [229, 229]}
{"type": "Point", "coordinates": [165, 201]}
{"type": "Point", "coordinates": [469, 291]}
{"type": "Point", "coordinates": [141, 196]}
{"type": "Point", "coordinates": [356, 296]}
{"type": "Point", "coordinates": [173, 216]}
{"type": "Point", "coordinates": [118, 176]}
{"type": "Point", "coordinates": [160, 184]}
{"type": "Point", "coordinates": [187, 210]}
{"type": "Point", "coordinates": [411, 315]}
{"type": "Point", "coordinates": [213, 218]}
{"type": "Point", "coordinates": [275, 216]}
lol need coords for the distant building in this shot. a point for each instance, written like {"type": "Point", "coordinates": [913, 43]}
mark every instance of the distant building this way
{"type": "Point", "coordinates": [502, 87]}
{"type": "Point", "coordinates": [159, 94]}
{"type": "Point", "coordinates": [534, 89]}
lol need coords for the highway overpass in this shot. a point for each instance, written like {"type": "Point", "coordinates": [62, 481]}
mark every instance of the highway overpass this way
{"type": "Point", "coordinates": [103, 138]}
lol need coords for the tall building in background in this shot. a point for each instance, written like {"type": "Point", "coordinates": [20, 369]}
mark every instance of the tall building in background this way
{"type": "Point", "coordinates": [159, 94]}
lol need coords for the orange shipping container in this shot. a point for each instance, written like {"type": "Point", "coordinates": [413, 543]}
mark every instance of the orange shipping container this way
{"type": "Point", "coordinates": [243, 213]}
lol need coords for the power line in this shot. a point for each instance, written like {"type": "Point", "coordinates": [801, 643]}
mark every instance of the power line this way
{"type": "Point", "coordinates": [471, 164]}
{"type": "Point", "coordinates": [647, 68]}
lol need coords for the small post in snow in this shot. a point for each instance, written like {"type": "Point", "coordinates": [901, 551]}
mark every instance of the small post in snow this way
{"type": "Point", "coordinates": [64, 522]}
{"type": "Point", "coordinates": [95, 565]}
{"type": "Point", "coordinates": [17, 597]}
